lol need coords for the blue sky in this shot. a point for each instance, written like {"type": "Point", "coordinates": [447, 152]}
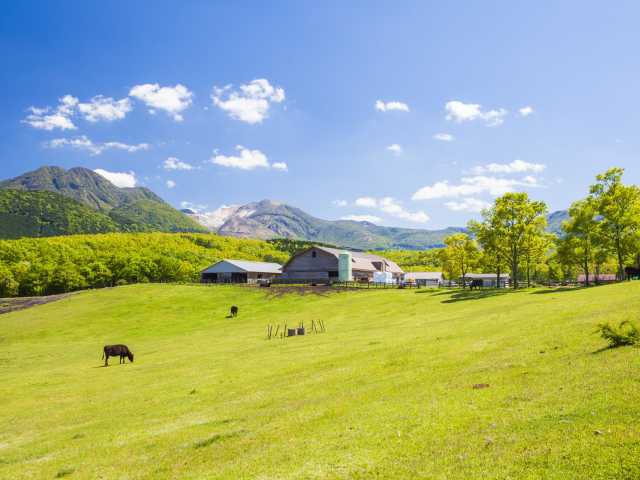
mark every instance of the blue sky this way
{"type": "Point", "coordinates": [411, 113]}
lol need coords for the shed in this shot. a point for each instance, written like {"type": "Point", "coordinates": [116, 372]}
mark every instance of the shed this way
{"type": "Point", "coordinates": [240, 271]}
{"type": "Point", "coordinates": [489, 279]}
{"type": "Point", "coordinates": [424, 279]}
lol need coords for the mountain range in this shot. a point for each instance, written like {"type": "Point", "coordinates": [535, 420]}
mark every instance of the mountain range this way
{"type": "Point", "coordinates": [54, 201]}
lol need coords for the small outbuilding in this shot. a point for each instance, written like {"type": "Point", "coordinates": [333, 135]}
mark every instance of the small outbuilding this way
{"type": "Point", "coordinates": [489, 280]}
{"type": "Point", "coordinates": [424, 279]}
{"type": "Point", "coordinates": [240, 271]}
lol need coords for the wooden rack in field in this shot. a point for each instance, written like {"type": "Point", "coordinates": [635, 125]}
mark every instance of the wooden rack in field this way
{"type": "Point", "coordinates": [317, 326]}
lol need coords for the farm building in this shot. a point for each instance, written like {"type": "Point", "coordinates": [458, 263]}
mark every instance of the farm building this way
{"type": "Point", "coordinates": [488, 279]}
{"type": "Point", "coordinates": [240, 271]}
{"type": "Point", "coordinates": [602, 278]}
{"type": "Point", "coordinates": [424, 279]}
{"type": "Point", "coordinates": [324, 264]}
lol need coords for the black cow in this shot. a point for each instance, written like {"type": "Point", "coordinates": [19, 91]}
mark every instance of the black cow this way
{"type": "Point", "coordinates": [476, 283]}
{"type": "Point", "coordinates": [234, 310]}
{"type": "Point", "coordinates": [116, 351]}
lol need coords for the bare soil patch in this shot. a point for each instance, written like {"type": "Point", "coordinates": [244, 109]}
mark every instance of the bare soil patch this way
{"type": "Point", "coordinates": [12, 304]}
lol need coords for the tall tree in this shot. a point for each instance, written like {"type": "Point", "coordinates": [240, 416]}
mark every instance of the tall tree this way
{"type": "Point", "coordinates": [462, 252]}
{"type": "Point", "coordinates": [618, 206]}
{"type": "Point", "coordinates": [492, 241]}
{"type": "Point", "coordinates": [581, 235]}
{"type": "Point", "coordinates": [513, 220]}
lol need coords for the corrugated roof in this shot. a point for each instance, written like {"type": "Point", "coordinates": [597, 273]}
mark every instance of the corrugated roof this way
{"type": "Point", "coordinates": [250, 266]}
{"type": "Point", "coordinates": [362, 260]}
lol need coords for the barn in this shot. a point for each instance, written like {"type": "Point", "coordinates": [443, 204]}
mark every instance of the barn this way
{"type": "Point", "coordinates": [324, 264]}
{"type": "Point", "coordinates": [424, 279]}
{"type": "Point", "coordinates": [488, 279]}
{"type": "Point", "coordinates": [240, 271]}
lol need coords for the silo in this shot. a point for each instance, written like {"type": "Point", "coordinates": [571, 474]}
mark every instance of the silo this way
{"type": "Point", "coordinates": [344, 267]}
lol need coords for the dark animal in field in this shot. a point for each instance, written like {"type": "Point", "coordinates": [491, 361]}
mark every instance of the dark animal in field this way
{"type": "Point", "coordinates": [234, 311]}
{"type": "Point", "coordinates": [631, 272]}
{"type": "Point", "coordinates": [121, 351]}
{"type": "Point", "coordinates": [477, 283]}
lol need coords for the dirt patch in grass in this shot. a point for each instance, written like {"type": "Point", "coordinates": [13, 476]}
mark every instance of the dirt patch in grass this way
{"type": "Point", "coordinates": [12, 304]}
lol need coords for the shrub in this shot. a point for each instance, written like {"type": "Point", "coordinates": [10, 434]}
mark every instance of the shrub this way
{"type": "Point", "coordinates": [625, 334]}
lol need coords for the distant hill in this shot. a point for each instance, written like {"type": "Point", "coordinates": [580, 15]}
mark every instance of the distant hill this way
{"type": "Point", "coordinates": [268, 219]}
{"type": "Point", "coordinates": [54, 201]}
{"type": "Point", "coordinates": [555, 219]}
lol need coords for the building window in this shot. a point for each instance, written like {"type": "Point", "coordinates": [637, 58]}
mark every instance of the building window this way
{"type": "Point", "coordinates": [313, 254]}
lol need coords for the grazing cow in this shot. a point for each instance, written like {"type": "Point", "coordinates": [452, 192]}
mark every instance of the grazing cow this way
{"type": "Point", "coordinates": [234, 310]}
{"type": "Point", "coordinates": [631, 272]}
{"type": "Point", "coordinates": [476, 283]}
{"type": "Point", "coordinates": [121, 351]}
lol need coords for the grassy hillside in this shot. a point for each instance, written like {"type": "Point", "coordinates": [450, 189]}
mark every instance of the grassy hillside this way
{"type": "Point", "coordinates": [150, 216]}
{"type": "Point", "coordinates": [387, 392]}
{"type": "Point", "coordinates": [44, 214]}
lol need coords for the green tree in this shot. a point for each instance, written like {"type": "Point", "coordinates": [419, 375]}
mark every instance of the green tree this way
{"type": "Point", "coordinates": [491, 239]}
{"type": "Point", "coordinates": [462, 252]}
{"type": "Point", "coordinates": [582, 235]}
{"type": "Point", "coordinates": [513, 221]}
{"type": "Point", "coordinates": [618, 206]}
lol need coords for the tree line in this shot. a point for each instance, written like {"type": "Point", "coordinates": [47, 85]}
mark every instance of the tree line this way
{"type": "Point", "coordinates": [601, 235]}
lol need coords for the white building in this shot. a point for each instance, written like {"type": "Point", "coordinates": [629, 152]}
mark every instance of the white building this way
{"type": "Point", "coordinates": [424, 279]}
{"type": "Point", "coordinates": [240, 271]}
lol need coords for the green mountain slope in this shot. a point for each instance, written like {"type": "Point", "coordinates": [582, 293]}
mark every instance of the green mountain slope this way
{"type": "Point", "coordinates": [105, 206]}
{"type": "Point", "coordinates": [43, 214]}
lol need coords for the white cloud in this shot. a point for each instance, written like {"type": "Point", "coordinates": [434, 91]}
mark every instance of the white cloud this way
{"type": "Point", "coordinates": [395, 149]}
{"type": "Point", "coordinates": [84, 143]}
{"type": "Point", "coordinates": [389, 106]}
{"type": "Point", "coordinates": [340, 203]}
{"type": "Point", "coordinates": [251, 102]}
{"type": "Point", "coordinates": [196, 207]}
{"type": "Point", "coordinates": [466, 112]}
{"type": "Point", "coordinates": [173, 163]}
{"type": "Point", "coordinates": [526, 111]}
{"type": "Point", "coordinates": [444, 137]}
{"type": "Point", "coordinates": [472, 186]}
{"type": "Point", "coordinates": [393, 207]}
{"type": "Point", "coordinates": [119, 179]}
{"type": "Point", "coordinates": [172, 100]}
{"type": "Point", "coordinates": [245, 160]}
{"type": "Point", "coordinates": [474, 205]}
{"type": "Point", "coordinates": [105, 108]}
{"type": "Point", "coordinates": [368, 202]}
{"type": "Point", "coordinates": [171, 184]}
{"type": "Point", "coordinates": [517, 166]}
{"type": "Point", "coordinates": [362, 218]}
{"type": "Point", "coordinates": [48, 119]}
{"type": "Point", "coordinates": [280, 166]}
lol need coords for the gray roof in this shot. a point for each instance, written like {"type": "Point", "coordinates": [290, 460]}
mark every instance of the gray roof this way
{"type": "Point", "coordinates": [423, 275]}
{"type": "Point", "coordinates": [245, 266]}
{"type": "Point", "coordinates": [362, 260]}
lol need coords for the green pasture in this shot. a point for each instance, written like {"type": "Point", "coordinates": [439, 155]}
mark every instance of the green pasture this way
{"type": "Point", "coordinates": [387, 392]}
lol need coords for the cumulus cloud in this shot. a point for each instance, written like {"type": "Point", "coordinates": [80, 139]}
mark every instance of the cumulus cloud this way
{"type": "Point", "coordinates": [517, 166]}
{"type": "Point", "coordinates": [49, 119]}
{"type": "Point", "coordinates": [392, 207]}
{"type": "Point", "coordinates": [280, 166]}
{"type": "Point", "coordinates": [250, 103]}
{"type": "Point", "coordinates": [444, 137]}
{"type": "Point", "coordinates": [245, 160]}
{"type": "Point", "coordinates": [171, 184]}
{"type": "Point", "coordinates": [466, 112]}
{"type": "Point", "coordinates": [472, 186]}
{"type": "Point", "coordinates": [172, 100]}
{"type": "Point", "coordinates": [84, 143]}
{"type": "Point", "coordinates": [470, 204]}
{"type": "Point", "coordinates": [395, 149]}
{"type": "Point", "coordinates": [173, 163]}
{"type": "Point", "coordinates": [105, 108]}
{"type": "Point", "coordinates": [389, 106]}
{"type": "Point", "coordinates": [526, 111]}
{"type": "Point", "coordinates": [362, 218]}
{"type": "Point", "coordinates": [119, 179]}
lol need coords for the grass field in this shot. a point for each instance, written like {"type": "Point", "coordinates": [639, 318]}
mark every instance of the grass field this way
{"type": "Point", "coordinates": [386, 392]}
